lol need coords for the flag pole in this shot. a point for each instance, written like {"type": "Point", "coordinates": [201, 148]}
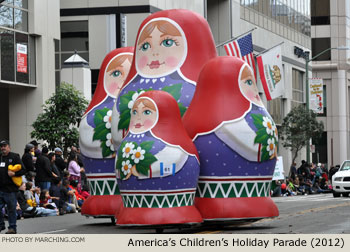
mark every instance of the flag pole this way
{"type": "Point", "coordinates": [231, 39]}
{"type": "Point", "coordinates": [269, 49]}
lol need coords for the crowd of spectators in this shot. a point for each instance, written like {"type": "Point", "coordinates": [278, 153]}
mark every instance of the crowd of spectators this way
{"type": "Point", "coordinates": [307, 179]}
{"type": "Point", "coordinates": [52, 185]}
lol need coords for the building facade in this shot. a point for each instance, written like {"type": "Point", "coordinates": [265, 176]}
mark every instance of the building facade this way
{"type": "Point", "coordinates": [331, 29]}
{"type": "Point", "coordinates": [28, 30]}
{"type": "Point", "coordinates": [93, 28]}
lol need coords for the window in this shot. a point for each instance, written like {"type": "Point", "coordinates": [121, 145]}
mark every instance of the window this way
{"type": "Point", "coordinates": [7, 55]}
{"type": "Point", "coordinates": [74, 37]}
{"type": "Point", "coordinates": [283, 13]}
{"type": "Point", "coordinates": [320, 12]}
{"type": "Point", "coordinates": [275, 108]}
{"type": "Point", "coordinates": [17, 47]}
{"type": "Point", "coordinates": [297, 88]}
{"type": "Point", "coordinates": [319, 45]}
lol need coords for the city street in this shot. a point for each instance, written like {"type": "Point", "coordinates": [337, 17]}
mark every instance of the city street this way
{"type": "Point", "coordinates": [320, 213]}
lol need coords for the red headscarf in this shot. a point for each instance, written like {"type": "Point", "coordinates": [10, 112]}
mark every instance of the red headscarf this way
{"type": "Point", "coordinates": [200, 42]}
{"type": "Point", "coordinates": [169, 127]}
{"type": "Point", "coordinates": [100, 93]}
{"type": "Point", "coordinates": [217, 98]}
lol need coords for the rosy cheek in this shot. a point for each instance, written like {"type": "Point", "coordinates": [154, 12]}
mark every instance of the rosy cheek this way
{"type": "Point", "coordinates": [132, 122]}
{"type": "Point", "coordinates": [250, 94]}
{"type": "Point", "coordinates": [142, 62]}
{"type": "Point", "coordinates": [148, 123]}
{"type": "Point", "coordinates": [171, 61]}
{"type": "Point", "coordinates": [112, 87]}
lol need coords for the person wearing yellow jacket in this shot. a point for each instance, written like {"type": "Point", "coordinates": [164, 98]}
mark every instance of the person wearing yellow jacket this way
{"type": "Point", "coordinates": [8, 189]}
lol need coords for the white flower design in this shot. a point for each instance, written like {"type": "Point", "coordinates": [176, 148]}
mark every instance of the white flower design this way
{"type": "Point", "coordinates": [134, 97]}
{"type": "Point", "coordinates": [126, 167]}
{"type": "Point", "coordinates": [107, 119]}
{"type": "Point", "coordinates": [270, 146]}
{"type": "Point", "coordinates": [267, 123]}
{"type": "Point", "coordinates": [128, 149]}
{"type": "Point", "coordinates": [109, 141]}
{"type": "Point", "coordinates": [138, 155]}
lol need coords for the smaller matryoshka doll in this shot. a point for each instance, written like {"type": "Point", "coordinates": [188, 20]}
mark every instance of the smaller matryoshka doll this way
{"type": "Point", "coordinates": [157, 165]}
{"type": "Point", "coordinates": [95, 136]}
{"type": "Point", "coordinates": [236, 140]}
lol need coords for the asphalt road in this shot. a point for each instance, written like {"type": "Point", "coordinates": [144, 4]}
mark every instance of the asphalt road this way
{"type": "Point", "coordinates": [311, 214]}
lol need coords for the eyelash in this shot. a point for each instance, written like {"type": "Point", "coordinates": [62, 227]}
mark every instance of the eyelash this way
{"type": "Point", "coordinates": [175, 41]}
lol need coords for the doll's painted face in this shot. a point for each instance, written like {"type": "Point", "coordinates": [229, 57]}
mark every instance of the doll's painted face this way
{"type": "Point", "coordinates": [144, 116]}
{"type": "Point", "coordinates": [116, 72]}
{"type": "Point", "coordinates": [248, 86]}
{"type": "Point", "coordinates": [161, 49]}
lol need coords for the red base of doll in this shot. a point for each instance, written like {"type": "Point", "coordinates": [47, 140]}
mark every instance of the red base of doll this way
{"type": "Point", "coordinates": [158, 216]}
{"type": "Point", "coordinates": [216, 209]}
{"type": "Point", "coordinates": [102, 205]}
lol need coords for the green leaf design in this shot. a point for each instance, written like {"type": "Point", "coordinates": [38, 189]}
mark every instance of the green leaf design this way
{"type": "Point", "coordinates": [265, 154]}
{"type": "Point", "coordinates": [147, 146]}
{"type": "Point", "coordinates": [174, 90]}
{"type": "Point", "coordinates": [143, 166]}
{"type": "Point", "coordinates": [99, 115]}
{"type": "Point", "coordinates": [124, 100]}
{"type": "Point", "coordinates": [100, 133]}
{"type": "Point", "coordinates": [258, 120]}
{"type": "Point", "coordinates": [182, 108]}
{"type": "Point", "coordinates": [124, 120]}
{"type": "Point", "coordinates": [261, 136]}
{"type": "Point", "coordinates": [106, 151]}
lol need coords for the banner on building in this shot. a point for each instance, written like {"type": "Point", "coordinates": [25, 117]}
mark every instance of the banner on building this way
{"type": "Point", "coordinates": [22, 58]}
{"type": "Point", "coordinates": [279, 171]}
{"type": "Point", "coordinates": [271, 72]}
{"type": "Point", "coordinates": [316, 101]}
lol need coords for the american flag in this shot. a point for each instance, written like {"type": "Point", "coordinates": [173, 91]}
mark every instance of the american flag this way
{"type": "Point", "coordinates": [242, 48]}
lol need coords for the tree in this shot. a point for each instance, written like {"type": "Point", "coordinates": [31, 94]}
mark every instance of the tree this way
{"type": "Point", "coordinates": [299, 125]}
{"type": "Point", "coordinates": [61, 115]}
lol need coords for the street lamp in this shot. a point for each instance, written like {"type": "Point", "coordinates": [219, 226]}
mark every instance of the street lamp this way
{"type": "Point", "coordinates": [307, 61]}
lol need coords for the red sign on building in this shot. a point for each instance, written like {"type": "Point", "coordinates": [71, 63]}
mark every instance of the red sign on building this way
{"type": "Point", "coordinates": [21, 58]}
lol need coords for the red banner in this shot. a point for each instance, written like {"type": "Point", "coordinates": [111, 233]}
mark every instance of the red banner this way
{"type": "Point", "coordinates": [21, 58]}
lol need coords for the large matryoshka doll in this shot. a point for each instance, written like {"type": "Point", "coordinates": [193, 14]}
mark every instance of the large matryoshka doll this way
{"type": "Point", "coordinates": [157, 166]}
{"type": "Point", "coordinates": [95, 136]}
{"type": "Point", "coordinates": [171, 47]}
{"type": "Point", "coordinates": [236, 140]}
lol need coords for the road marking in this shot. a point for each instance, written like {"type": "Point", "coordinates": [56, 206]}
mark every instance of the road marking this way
{"type": "Point", "coordinates": [55, 231]}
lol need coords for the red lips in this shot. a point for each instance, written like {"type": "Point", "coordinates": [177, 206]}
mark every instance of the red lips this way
{"type": "Point", "coordinates": [154, 64]}
{"type": "Point", "coordinates": [138, 125]}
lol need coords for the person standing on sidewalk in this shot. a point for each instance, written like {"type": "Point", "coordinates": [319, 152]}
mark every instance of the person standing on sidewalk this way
{"type": "Point", "coordinates": [44, 174]}
{"type": "Point", "coordinates": [8, 189]}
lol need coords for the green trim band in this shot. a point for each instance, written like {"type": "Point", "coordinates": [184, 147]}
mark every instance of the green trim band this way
{"type": "Point", "coordinates": [233, 189]}
{"type": "Point", "coordinates": [158, 200]}
{"type": "Point", "coordinates": [104, 187]}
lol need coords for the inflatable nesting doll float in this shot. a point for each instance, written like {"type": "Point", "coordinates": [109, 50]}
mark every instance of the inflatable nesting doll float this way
{"type": "Point", "coordinates": [213, 164]}
{"type": "Point", "coordinates": [96, 138]}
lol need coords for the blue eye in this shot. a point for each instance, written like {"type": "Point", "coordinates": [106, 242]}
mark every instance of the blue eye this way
{"type": "Point", "coordinates": [168, 42]}
{"type": "Point", "coordinates": [116, 73]}
{"type": "Point", "coordinates": [147, 112]}
{"type": "Point", "coordinates": [249, 82]}
{"type": "Point", "coordinates": [134, 112]}
{"type": "Point", "coordinates": [145, 46]}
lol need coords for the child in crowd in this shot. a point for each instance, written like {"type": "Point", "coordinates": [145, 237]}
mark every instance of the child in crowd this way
{"type": "Point", "coordinates": [85, 191]}
{"type": "Point", "coordinates": [65, 205]}
{"type": "Point", "coordinates": [46, 200]}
